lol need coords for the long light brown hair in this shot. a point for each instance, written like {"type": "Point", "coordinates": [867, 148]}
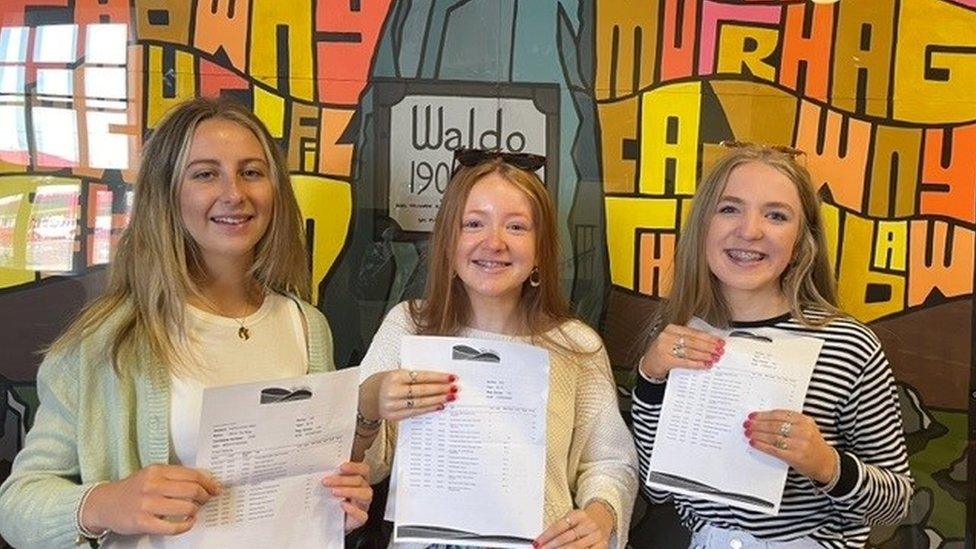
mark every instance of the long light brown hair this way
{"type": "Point", "coordinates": [808, 280]}
{"type": "Point", "coordinates": [446, 309]}
{"type": "Point", "coordinates": [158, 265]}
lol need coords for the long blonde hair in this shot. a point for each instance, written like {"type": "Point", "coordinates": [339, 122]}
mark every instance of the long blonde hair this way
{"type": "Point", "coordinates": [158, 265]}
{"type": "Point", "coordinates": [446, 309]}
{"type": "Point", "coordinates": [808, 280]}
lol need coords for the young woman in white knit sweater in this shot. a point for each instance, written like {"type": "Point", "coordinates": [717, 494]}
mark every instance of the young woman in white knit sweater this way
{"type": "Point", "coordinates": [753, 253]}
{"type": "Point", "coordinates": [493, 274]}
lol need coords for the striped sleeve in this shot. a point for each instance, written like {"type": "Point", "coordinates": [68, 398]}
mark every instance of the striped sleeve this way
{"type": "Point", "coordinates": [875, 485]}
{"type": "Point", "coordinates": [646, 411]}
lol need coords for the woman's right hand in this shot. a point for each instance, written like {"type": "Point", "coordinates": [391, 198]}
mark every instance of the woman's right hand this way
{"type": "Point", "coordinates": [158, 499]}
{"type": "Point", "coordinates": [680, 347]}
{"type": "Point", "coordinates": [407, 393]}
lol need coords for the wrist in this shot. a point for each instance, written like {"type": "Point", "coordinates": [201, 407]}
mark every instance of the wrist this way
{"type": "Point", "coordinates": [603, 515]}
{"type": "Point", "coordinates": [830, 472]}
{"type": "Point", "coordinates": [91, 523]}
{"type": "Point", "coordinates": [649, 372]}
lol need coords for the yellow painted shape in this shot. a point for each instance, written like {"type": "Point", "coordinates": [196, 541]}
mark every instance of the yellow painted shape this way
{"type": "Point", "coordinates": [156, 104]}
{"type": "Point", "coordinates": [24, 185]}
{"type": "Point", "coordinates": [270, 108]}
{"type": "Point", "coordinates": [297, 17]}
{"type": "Point", "coordinates": [624, 216]}
{"type": "Point", "coordinates": [681, 101]}
{"type": "Point", "coordinates": [856, 274]}
{"type": "Point", "coordinates": [893, 236]}
{"type": "Point", "coordinates": [732, 55]}
{"type": "Point", "coordinates": [328, 202]}
{"type": "Point", "coordinates": [922, 23]}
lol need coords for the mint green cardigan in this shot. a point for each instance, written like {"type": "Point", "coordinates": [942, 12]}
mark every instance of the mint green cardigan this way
{"type": "Point", "coordinates": [94, 426]}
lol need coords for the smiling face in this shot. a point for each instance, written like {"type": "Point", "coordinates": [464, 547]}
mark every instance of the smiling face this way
{"type": "Point", "coordinates": [752, 235]}
{"type": "Point", "coordinates": [226, 193]}
{"type": "Point", "coordinates": [496, 244]}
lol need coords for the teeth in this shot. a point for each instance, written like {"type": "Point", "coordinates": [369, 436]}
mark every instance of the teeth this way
{"type": "Point", "coordinates": [490, 264]}
{"type": "Point", "coordinates": [230, 220]}
{"type": "Point", "coordinates": [743, 255]}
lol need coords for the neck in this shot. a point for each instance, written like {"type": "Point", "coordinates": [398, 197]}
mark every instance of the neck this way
{"type": "Point", "coordinates": [232, 292]}
{"type": "Point", "coordinates": [497, 315]}
{"type": "Point", "coordinates": [750, 306]}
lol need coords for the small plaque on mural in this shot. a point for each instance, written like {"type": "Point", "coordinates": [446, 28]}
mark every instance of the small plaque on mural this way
{"type": "Point", "coordinates": [422, 131]}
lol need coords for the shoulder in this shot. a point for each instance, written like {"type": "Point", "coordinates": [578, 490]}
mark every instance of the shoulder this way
{"type": "Point", "coordinates": [399, 318]}
{"type": "Point", "coordinates": [578, 333]}
{"type": "Point", "coordinates": [843, 332]}
{"type": "Point", "coordinates": [317, 323]}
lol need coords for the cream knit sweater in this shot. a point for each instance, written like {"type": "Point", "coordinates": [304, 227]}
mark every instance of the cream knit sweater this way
{"type": "Point", "coordinates": [590, 453]}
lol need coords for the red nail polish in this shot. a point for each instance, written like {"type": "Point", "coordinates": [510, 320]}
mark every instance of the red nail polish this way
{"type": "Point", "coordinates": [451, 397]}
{"type": "Point", "coordinates": [440, 406]}
{"type": "Point", "coordinates": [752, 443]}
{"type": "Point", "coordinates": [747, 424]}
{"type": "Point", "coordinates": [752, 415]}
{"type": "Point", "coordinates": [535, 543]}
{"type": "Point", "coordinates": [454, 388]}
{"type": "Point", "coordinates": [452, 378]}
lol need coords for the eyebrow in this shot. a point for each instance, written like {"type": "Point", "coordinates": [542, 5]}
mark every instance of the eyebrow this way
{"type": "Point", "coordinates": [737, 200]}
{"type": "Point", "coordinates": [214, 162]}
{"type": "Point", "coordinates": [507, 216]}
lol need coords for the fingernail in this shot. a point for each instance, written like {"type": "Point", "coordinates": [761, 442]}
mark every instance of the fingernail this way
{"type": "Point", "coordinates": [752, 443]}
{"type": "Point", "coordinates": [746, 424]}
{"type": "Point", "coordinates": [451, 397]}
{"type": "Point", "coordinates": [752, 415]}
{"type": "Point", "coordinates": [535, 543]}
{"type": "Point", "coordinates": [454, 388]}
{"type": "Point", "coordinates": [452, 378]}
{"type": "Point", "coordinates": [440, 406]}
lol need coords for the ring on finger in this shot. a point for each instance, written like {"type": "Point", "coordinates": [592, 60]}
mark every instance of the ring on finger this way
{"type": "Point", "coordinates": [678, 349]}
{"type": "Point", "coordinates": [409, 391]}
{"type": "Point", "coordinates": [781, 443]}
{"type": "Point", "coordinates": [410, 403]}
{"type": "Point", "coordinates": [785, 429]}
{"type": "Point", "coordinates": [413, 376]}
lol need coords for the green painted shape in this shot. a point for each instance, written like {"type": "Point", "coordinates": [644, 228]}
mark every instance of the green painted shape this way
{"type": "Point", "coordinates": [948, 515]}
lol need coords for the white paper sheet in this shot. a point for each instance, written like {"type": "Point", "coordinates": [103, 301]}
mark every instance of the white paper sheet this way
{"type": "Point", "coordinates": [269, 444]}
{"type": "Point", "coordinates": [700, 448]}
{"type": "Point", "coordinates": [473, 474]}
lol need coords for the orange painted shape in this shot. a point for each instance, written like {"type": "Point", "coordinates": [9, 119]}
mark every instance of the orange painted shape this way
{"type": "Point", "coordinates": [345, 44]}
{"type": "Point", "coordinates": [843, 172]}
{"type": "Point", "coordinates": [215, 78]}
{"type": "Point", "coordinates": [925, 275]}
{"type": "Point", "coordinates": [812, 50]}
{"type": "Point", "coordinates": [91, 11]}
{"type": "Point", "coordinates": [335, 158]}
{"type": "Point", "coordinates": [226, 28]}
{"type": "Point", "coordinates": [949, 190]}
{"type": "Point", "coordinates": [655, 268]}
{"type": "Point", "coordinates": [678, 39]}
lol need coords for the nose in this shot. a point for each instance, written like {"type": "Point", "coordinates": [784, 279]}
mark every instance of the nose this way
{"type": "Point", "coordinates": [494, 239]}
{"type": "Point", "coordinates": [751, 226]}
{"type": "Point", "coordinates": [233, 190]}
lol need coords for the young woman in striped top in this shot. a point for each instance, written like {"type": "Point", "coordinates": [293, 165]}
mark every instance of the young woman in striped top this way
{"type": "Point", "coordinates": [753, 253]}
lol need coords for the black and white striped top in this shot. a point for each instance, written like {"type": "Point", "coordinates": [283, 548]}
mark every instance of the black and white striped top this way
{"type": "Point", "coordinates": [853, 399]}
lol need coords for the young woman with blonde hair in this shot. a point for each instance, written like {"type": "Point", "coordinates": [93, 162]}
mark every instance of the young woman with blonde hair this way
{"type": "Point", "coordinates": [494, 275]}
{"type": "Point", "coordinates": [753, 253]}
{"type": "Point", "coordinates": [207, 287]}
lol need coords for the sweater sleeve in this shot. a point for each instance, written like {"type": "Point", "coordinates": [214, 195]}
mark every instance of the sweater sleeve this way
{"type": "Point", "coordinates": [645, 409]}
{"type": "Point", "coordinates": [39, 500]}
{"type": "Point", "coordinates": [608, 463]}
{"type": "Point", "coordinates": [875, 484]}
{"type": "Point", "coordinates": [383, 355]}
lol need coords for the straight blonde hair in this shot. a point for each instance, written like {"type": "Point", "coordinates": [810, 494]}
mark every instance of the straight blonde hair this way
{"type": "Point", "coordinates": [158, 265]}
{"type": "Point", "coordinates": [808, 280]}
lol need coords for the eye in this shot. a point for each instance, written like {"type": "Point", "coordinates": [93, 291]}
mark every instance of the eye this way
{"type": "Point", "coordinates": [204, 175]}
{"type": "Point", "coordinates": [471, 224]}
{"type": "Point", "coordinates": [778, 216]}
{"type": "Point", "coordinates": [253, 173]}
{"type": "Point", "coordinates": [727, 209]}
{"type": "Point", "coordinates": [519, 226]}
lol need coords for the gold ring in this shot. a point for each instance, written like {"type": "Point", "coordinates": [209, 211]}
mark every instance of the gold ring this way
{"type": "Point", "coordinates": [413, 376]}
{"type": "Point", "coordinates": [785, 429]}
{"type": "Point", "coordinates": [781, 444]}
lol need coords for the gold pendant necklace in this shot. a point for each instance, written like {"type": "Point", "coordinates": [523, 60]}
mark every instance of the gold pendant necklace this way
{"type": "Point", "coordinates": [243, 332]}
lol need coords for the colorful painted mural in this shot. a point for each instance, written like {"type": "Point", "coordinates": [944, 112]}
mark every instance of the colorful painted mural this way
{"type": "Point", "coordinates": [628, 99]}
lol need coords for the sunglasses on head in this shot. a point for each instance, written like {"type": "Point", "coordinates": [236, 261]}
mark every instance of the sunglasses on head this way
{"type": "Point", "coordinates": [470, 158]}
{"type": "Point", "coordinates": [733, 144]}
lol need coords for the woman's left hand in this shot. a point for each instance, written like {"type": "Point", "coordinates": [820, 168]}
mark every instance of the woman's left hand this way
{"type": "Point", "coordinates": [795, 439]}
{"type": "Point", "coordinates": [578, 528]}
{"type": "Point", "coordinates": [349, 484]}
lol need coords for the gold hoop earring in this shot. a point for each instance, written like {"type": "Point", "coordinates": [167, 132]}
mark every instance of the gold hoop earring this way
{"type": "Point", "coordinates": [535, 279]}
